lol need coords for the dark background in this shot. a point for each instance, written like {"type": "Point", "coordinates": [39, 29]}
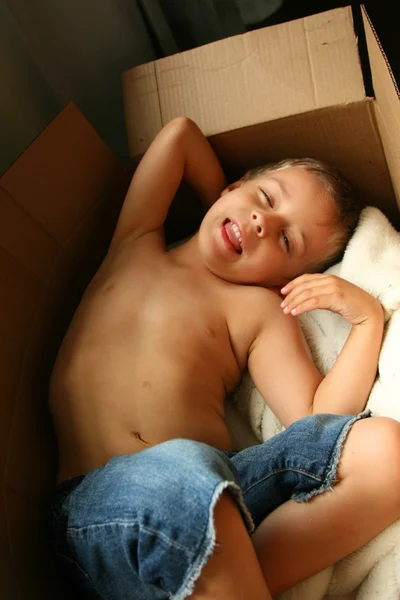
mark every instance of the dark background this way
{"type": "Point", "coordinates": [383, 14]}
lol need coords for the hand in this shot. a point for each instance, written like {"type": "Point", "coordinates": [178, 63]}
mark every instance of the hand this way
{"type": "Point", "coordinates": [329, 292]}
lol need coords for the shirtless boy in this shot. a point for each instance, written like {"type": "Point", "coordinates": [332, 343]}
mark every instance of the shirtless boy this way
{"type": "Point", "coordinates": [152, 502]}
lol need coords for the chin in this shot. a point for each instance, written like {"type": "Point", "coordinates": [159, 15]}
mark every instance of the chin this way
{"type": "Point", "coordinates": [227, 267]}
{"type": "Point", "coordinates": [230, 275]}
{"type": "Point", "coordinates": [216, 270]}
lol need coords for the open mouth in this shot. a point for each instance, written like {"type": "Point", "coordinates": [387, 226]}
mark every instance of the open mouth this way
{"type": "Point", "coordinates": [233, 235]}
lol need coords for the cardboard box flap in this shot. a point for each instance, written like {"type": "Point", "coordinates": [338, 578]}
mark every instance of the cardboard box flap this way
{"type": "Point", "coordinates": [388, 101]}
{"type": "Point", "coordinates": [61, 175]}
{"type": "Point", "coordinates": [58, 206]}
{"type": "Point", "coordinates": [260, 76]}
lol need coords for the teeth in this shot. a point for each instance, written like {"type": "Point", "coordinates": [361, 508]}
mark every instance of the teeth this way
{"type": "Point", "coordinates": [237, 232]}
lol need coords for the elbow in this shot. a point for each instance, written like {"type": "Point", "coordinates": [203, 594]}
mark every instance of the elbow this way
{"type": "Point", "coordinates": [181, 132]}
{"type": "Point", "coordinates": [181, 125]}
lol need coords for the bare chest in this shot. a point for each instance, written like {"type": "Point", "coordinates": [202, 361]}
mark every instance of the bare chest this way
{"type": "Point", "coordinates": [144, 313]}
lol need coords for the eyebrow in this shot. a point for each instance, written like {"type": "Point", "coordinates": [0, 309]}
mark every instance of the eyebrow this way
{"type": "Point", "coordinates": [285, 193]}
{"type": "Point", "coordinates": [304, 242]}
{"type": "Point", "coordinates": [282, 185]}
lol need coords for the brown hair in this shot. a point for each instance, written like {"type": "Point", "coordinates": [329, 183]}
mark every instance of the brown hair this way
{"type": "Point", "coordinates": [346, 203]}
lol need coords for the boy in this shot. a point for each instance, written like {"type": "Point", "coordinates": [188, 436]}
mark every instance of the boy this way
{"type": "Point", "coordinates": [152, 500]}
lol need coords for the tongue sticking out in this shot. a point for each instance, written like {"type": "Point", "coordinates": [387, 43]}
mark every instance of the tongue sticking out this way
{"type": "Point", "coordinates": [232, 237]}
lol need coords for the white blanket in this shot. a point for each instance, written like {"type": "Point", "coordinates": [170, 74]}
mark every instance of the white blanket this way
{"type": "Point", "coordinates": [372, 261]}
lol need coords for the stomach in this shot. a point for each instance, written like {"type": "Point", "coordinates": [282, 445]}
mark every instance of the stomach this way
{"type": "Point", "coordinates": [108, 410]}
{"type": "Point", "coordinates": [128, 379]}
{"type": "Point", "coordinates": [90, 446]}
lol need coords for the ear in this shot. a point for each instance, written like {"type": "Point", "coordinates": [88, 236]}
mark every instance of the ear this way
{"type": "Point", "coordinates": [232, 186]}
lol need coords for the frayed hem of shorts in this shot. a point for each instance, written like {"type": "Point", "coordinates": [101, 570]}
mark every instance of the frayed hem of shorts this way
{"type": "Point", "coordinates": [209, 542]}
{"type": "Point", "coordinates": [331, 473]}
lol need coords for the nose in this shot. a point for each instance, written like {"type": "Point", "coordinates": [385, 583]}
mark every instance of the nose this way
{"type": "Point", "coordinates": [264, 224]}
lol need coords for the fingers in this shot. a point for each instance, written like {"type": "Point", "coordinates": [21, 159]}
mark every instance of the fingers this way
{"type": "Point", "coordinates": [306, 302]}
{"type": "Point", "coordinates": [329, 292]}
{"type": "Point", "coordinates": [311, 292]}
{"type": "Point", "coordinates": [316, 278]}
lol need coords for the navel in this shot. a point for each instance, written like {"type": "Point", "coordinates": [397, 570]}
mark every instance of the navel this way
{"type": "Point", "coordinates": [139, 437]}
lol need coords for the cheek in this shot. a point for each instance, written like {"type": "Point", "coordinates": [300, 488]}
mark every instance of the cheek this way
{"type": "Point", "coordinates": [202, 236]}
{"type": "Point", "coordinates": [207, 222]}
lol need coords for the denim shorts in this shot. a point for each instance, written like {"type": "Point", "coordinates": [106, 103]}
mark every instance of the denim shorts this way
{"type": "Point", "coordinates": [142, 527]}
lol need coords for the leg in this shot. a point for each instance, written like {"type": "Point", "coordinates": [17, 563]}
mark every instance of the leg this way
{"type": "Point", "coordinates": [313, 535]}
{"type": "Point", "coordinates": [233, 571]}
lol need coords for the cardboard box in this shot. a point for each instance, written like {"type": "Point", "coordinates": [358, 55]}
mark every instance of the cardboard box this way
{"type": "Point", "coordinates": [58, 205]}
{"type": "Point", "coordinates": [293, 89]}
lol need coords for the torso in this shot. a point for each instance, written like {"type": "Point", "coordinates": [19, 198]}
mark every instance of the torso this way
{"type": "Point", "coordinates": [151, 353]}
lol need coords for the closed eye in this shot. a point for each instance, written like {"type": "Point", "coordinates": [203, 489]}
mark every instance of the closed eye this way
{"type": "Point", "coordinates": [286, 240]}
{"type": "Point", "coordinates": [267, 197]}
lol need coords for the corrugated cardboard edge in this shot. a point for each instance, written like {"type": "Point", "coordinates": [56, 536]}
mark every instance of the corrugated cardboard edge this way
{"type": "Point", "coordinates": [260, 76]}
{"type": "Point", "coordinates": [387, 105]}
{"type": "Point", "coordinates": [142, 107]}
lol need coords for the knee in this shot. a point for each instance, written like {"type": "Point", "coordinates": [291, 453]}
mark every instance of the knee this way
{"type": "Point", "coordinates": [384, 449]}
{"type": "Point", "coordinates": [373, 450]}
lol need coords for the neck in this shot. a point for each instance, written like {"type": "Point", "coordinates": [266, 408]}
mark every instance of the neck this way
{"type": "Point", "coordinates": [187, 253]}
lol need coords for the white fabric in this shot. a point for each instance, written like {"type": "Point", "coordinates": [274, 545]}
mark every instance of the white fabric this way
{"type": "Point", "coordinates": [372, 261]}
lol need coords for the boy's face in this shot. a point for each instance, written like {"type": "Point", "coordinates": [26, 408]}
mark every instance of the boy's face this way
{"type": "Point", "coordinates": [269, 229]}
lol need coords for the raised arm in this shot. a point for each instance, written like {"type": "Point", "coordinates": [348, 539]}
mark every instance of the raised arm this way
{"type": "Point", "coordinates": [179, 152]}
{"type": "Point", "coordinates": [280, 365]}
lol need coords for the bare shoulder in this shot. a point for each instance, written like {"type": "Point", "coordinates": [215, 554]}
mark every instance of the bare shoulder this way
{"type": "Point", "coordinates": [261, 313]}
{"type": "Point", "coordinates": [273, 327]}
{"type": "Point", "coordinates": [254, 313]}
{"type": "Point", "coordinates": [261, 304]}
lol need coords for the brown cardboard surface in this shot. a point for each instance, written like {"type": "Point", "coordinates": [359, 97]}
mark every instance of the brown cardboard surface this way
{"type": "Point", "coordinates": [31, 473]}
{"type": "Point", "coordinates": [142, 106]}
{"type": "Point", "coordinates": [8, 586]}
{"type": "Point", "coordinates": [64, 180]}
{"type": "Point", "coordinates": [17, 230]}
{"type": "Point", "coordinates": [20, 292]}
{"type": "Point", "coordinates": [21, 523]}
{"type": "Point", "coordinates": [11, 358]}
{"type": "Point", "coordinates": [78, 170]}
{"type": "Point", "coordinates": [25, 526]}
{"type": "Point", "coordinates": [99, 220]}
{"type": "Point", "coordinates": [259, 76]}
{"type": "Point", "coordinates": [388, 102]}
